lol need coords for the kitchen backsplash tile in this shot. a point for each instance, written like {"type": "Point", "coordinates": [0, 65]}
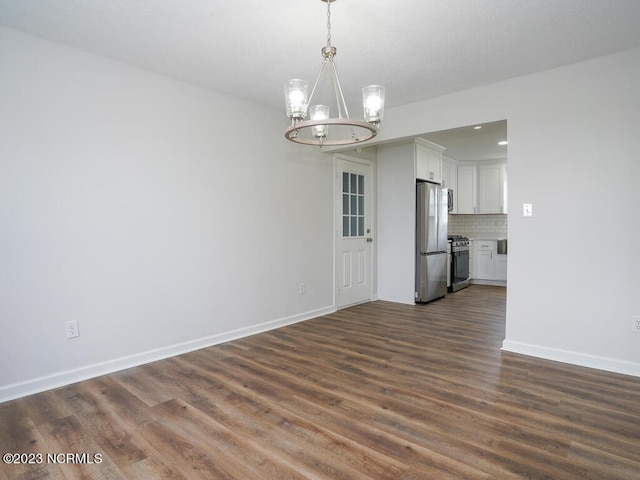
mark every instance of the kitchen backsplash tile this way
{"type": "Point", "coordinates": [475, 226]}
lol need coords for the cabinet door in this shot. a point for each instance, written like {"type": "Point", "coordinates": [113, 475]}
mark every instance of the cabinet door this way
{"type": "Point", "coordinates": [500, 267]}
{"type": "Point", "coordinates": [448, 174]}
{"type": "Point", "coordinates": [450, 180]}
{"type": "Point", "coordinates": [484, 253]}
{"type": "Point", "coordinates": [428, 164]}
{"type": "Point", "coordinates": [490, 189]}
{"type": "Point", "coordinates": [484, 265]}
{"type": "Point", "coordinates": [466, 189]}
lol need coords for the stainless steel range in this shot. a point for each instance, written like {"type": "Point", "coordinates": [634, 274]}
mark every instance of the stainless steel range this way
{"type": "Point", "coordinates": [459, 262]}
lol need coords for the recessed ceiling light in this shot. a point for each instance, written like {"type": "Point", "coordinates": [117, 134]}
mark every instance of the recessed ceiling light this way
{"type": "Point", "coordinates": [477, 127]}
{"type": "Point", "coordinates": [503, 142]}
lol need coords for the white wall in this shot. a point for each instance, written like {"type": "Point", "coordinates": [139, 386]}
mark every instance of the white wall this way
{"type": "Point", "coordinates": [160, 216]}
{"type": "Point", "coordinates": [574, 273]}
{"type": "Point", "coordinates": [396, 223]}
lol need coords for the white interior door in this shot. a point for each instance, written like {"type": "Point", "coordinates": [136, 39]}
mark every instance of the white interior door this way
{"type": "Point", "coordinates": [353, 231]}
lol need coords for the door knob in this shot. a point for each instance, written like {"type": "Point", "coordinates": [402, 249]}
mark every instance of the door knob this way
{"type": "Point", "coordinates": [369, 239]}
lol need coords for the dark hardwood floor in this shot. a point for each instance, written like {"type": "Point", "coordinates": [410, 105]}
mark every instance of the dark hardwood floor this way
{"type": "Point", "coordinates": [376, 391]}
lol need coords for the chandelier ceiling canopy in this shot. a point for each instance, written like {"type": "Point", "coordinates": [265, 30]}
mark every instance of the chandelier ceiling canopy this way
{"type": "Point", "coordinates": [326, 99]}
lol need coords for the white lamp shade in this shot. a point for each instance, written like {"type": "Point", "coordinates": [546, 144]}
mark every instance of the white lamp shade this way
{"type": "Point", "coordinates": [373, 103]}
{"type": "Point", "coordinates": [296, 97]}
{"type": "Point", "coordinates": [319, 113]}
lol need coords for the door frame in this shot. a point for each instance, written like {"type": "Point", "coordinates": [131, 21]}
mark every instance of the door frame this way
{"type": "Point", "coordinates": [370, 206]}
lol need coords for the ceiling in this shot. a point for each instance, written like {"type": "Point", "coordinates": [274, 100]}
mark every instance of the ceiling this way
{"type": "Point", "coordinates": [418, 49]}
{"type": "Point", "coordinates": [473, 142]}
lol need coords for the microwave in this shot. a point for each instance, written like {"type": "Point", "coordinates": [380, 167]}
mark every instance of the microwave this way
{"type": "Point", "coordinates": [449, 200]}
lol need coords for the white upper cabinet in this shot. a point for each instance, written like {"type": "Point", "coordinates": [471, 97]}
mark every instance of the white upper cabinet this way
{"type": "Point", "coordinates": [481, 188]}
{"type": "Point", "coordinates": [428, 157]}
{"type": "Point", "coordinates": [450, 180]}
{"type": "Point", "coordinates": [492, 189]}
{"type": "Point", "coordinates": [467, 196]}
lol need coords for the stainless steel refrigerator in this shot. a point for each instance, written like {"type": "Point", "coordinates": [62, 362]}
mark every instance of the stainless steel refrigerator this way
{"type": "Point", "coordinates": [431, 242]}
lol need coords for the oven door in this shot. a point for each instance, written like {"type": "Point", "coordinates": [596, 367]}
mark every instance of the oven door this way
{"type": "Point", "coordinates": [459, 265]}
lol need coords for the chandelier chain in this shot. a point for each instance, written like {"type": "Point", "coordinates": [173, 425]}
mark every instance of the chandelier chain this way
{"type": "Point", "coordinates": [329, 25]}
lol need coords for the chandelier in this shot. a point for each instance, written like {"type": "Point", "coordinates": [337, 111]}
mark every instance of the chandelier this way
{"type": "Point", "coordinates": [321, 129]}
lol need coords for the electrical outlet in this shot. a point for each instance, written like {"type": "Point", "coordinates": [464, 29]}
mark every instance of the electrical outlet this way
{"type": "Point", "coordinates": [71, 329]}
{"type": "Point", "coordinates": [635, 323]}
{"type": "Point", "coordinates": [302, 288]}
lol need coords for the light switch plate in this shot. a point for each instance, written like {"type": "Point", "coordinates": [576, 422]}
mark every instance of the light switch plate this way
{"type": "Point", "coordinates": [527, 210]}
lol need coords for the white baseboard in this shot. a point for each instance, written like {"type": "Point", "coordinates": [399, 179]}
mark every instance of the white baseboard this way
{"type": "Point", "coordinates": [495, 283]}
{"type": "Point", "coordinates": [60, 379]}
{"type": "Point", "coordinates": [574, 358]}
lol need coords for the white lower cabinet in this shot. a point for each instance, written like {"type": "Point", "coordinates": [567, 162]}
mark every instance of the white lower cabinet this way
{"type": "Point", "coordinates": [487, 264]}
{"type": "Point", "coordinates": [500, 267]}
{"type": "Point", "coordinates": [483, 255]}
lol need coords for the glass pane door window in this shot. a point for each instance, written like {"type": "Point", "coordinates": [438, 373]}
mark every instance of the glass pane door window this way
{"type": "Point", "coordinates": [353, 205]}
